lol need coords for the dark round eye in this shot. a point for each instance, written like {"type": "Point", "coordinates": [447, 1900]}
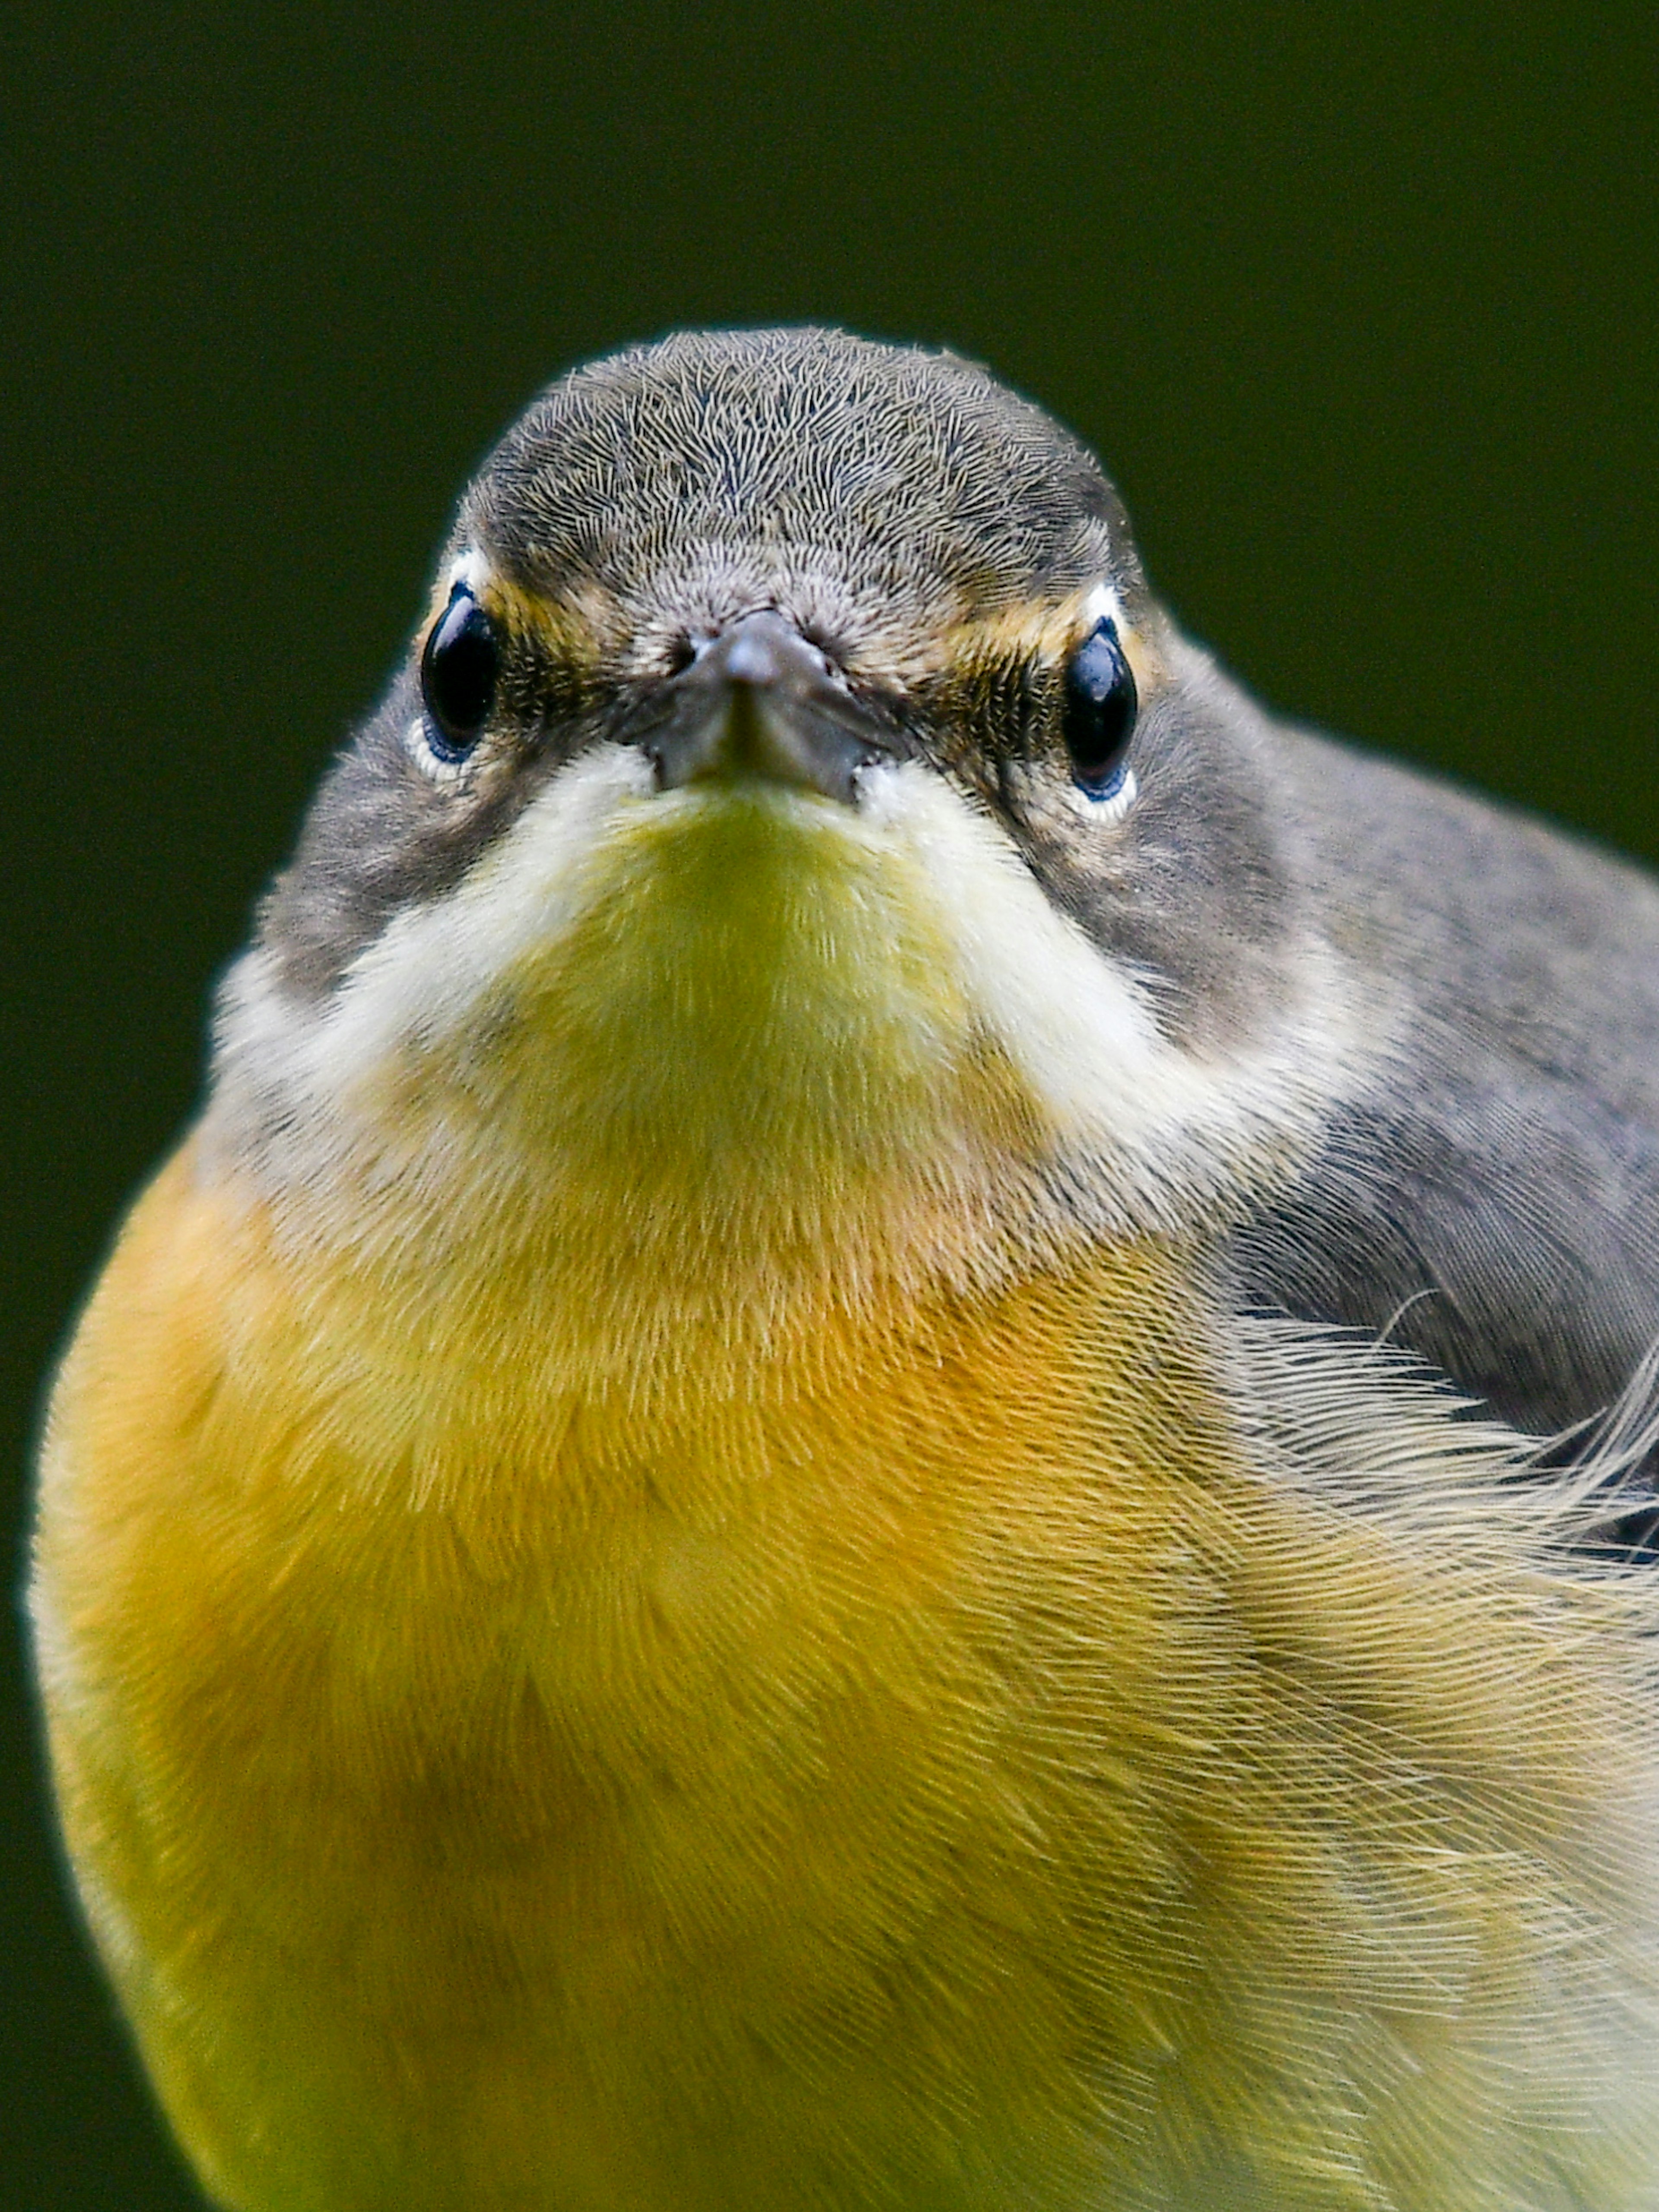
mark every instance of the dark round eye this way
{"type": "Point", "coordinates": [458, 668]}
{"type": "Point", "coordinates": [1098, 717]}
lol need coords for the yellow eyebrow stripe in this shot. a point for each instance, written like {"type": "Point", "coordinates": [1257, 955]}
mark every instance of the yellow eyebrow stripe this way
{"type": "Point", "coordinates": [588, 625]}
{"type": "Point", "coordinates": [1045, 630]}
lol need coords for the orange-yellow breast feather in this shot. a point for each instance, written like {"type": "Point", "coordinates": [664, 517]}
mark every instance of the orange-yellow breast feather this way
{"type": "Point", "coordinates": [926, 1767]}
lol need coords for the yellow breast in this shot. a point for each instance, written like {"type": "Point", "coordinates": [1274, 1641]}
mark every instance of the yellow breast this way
{"type": "Point", "coordinates": [939, 1773]}
{"type": "Point", "coordinates": [629, 1649]}
{"type": "Point", "coordinates": [673, 1778]}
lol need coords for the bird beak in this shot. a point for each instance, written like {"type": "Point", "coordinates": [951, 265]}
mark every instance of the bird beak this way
{"type": "Point", "coordinates": [760, 703]}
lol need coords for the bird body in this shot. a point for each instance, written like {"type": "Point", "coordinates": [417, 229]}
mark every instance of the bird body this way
{"type": "Point", "coordinates": [733, 1534]}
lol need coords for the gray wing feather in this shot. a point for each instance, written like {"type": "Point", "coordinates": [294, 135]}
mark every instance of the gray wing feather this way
{"type": "Point", "coordinates": [1497, 1174]}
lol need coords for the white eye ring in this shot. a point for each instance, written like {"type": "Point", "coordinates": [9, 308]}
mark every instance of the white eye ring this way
{"type": "Point", "coordinates": [435, 766]}
{"type": "Point", "coordinates": [1101, 813]}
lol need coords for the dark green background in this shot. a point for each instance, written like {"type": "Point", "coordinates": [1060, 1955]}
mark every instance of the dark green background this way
{"type": "Point", "coordinates": [1358, 304]}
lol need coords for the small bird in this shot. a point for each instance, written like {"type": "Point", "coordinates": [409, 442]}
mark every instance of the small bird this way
{"type": "Point", "coordinates": [885, 1447]}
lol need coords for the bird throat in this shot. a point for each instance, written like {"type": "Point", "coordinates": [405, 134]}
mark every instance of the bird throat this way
{"type": "Point", "coordinates": [740, 1082]}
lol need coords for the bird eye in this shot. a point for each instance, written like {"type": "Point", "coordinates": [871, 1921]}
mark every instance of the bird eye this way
{"type": "Point", "coordinates": [458, 668]}
{"type": "Point", "coordinates": [1098, 717]}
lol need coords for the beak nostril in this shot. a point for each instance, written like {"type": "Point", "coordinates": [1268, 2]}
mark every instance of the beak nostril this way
{"type": "Point", "coordinates": [757, 701]}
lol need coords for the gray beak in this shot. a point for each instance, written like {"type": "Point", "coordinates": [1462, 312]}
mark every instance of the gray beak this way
{"type": "Point", "coordinates": [760, 703]}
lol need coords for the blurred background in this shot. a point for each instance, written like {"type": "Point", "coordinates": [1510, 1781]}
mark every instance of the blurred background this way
{"type": "Point", "coordinates": [1359, 305]}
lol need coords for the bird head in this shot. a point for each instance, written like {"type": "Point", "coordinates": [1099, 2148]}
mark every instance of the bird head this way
{"type": "Point", "coordinates": [799, 849]}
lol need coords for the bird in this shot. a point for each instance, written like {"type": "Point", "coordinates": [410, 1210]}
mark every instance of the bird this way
{"type": "Point", "coordinates": [889, 1443]}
